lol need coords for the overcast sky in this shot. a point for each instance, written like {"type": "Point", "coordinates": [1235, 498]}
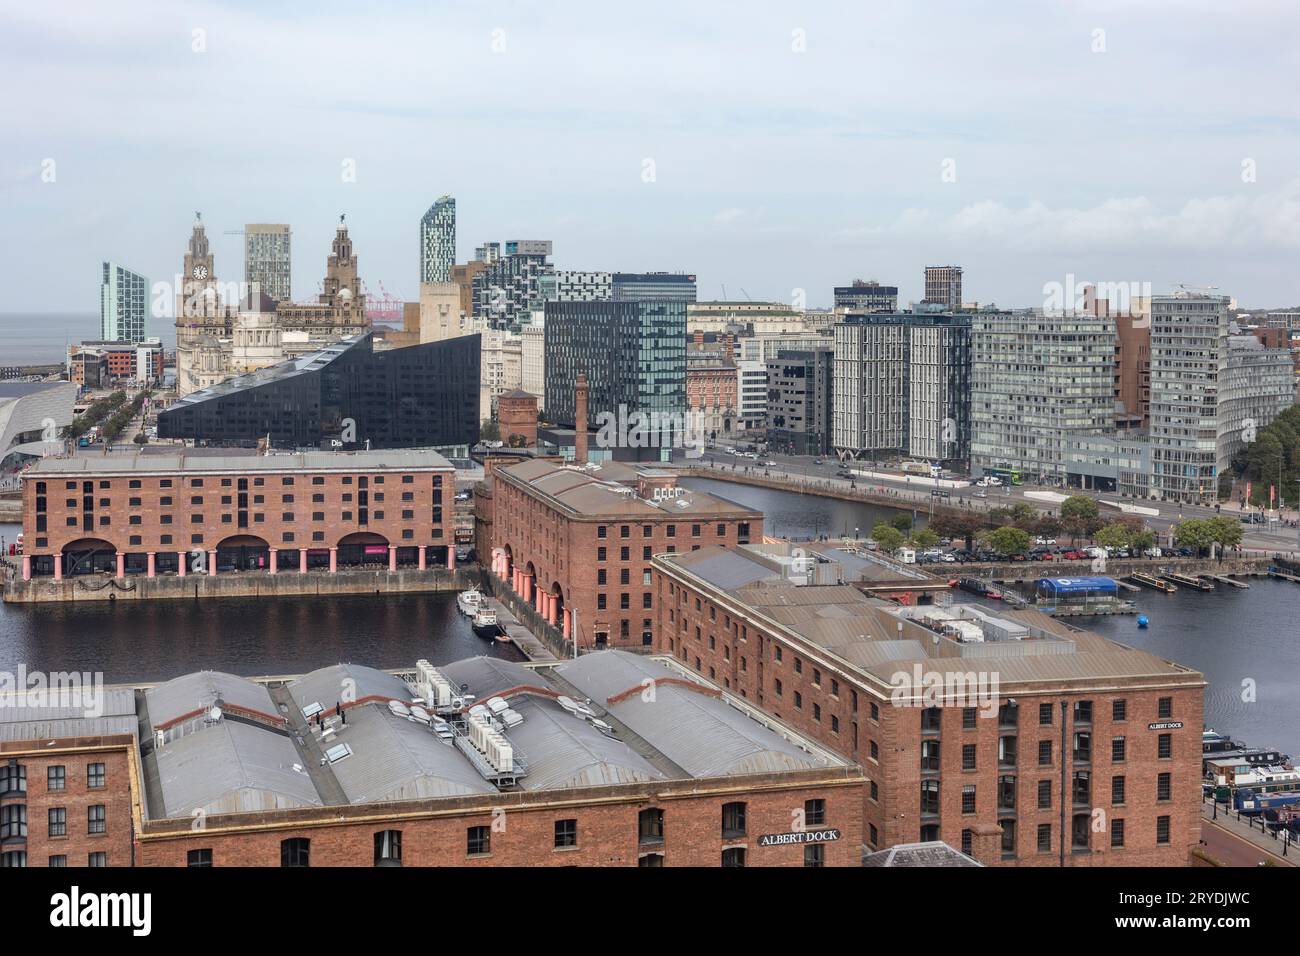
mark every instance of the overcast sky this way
{"type": "Point", "coordinates": [764, 146]}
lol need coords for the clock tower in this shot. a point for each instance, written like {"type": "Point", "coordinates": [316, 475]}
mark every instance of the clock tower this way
{"type": "Point", "coordinates": [198, 298]}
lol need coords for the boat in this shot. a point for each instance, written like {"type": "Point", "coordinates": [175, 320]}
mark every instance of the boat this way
{"type": "Point", "coordinates": [1187, 580]}
{"type": "Point", "coordinates": [469, 601]}
{"type": "Point", "coordinates": [1151, 581]}
{"type": "Point", "coordinates": [980, 587]}
{"type": "Point", "coordinates": [485, 622]}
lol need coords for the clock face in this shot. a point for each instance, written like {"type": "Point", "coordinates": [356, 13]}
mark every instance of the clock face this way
{"type": "Point", "coordinates": [200, 272]}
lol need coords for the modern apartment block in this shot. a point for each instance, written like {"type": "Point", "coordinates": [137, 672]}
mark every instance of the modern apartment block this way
{"type": "Point", "coordinates": [1006, 733]}
{"type": "Point", "coordinates": [1189, 355]}
{"type": "Point", "coordinates": [513, 284]}
{"type": "Point", "coordinates": [901, 384]}
{"type": "Point", "coordinates": [799, 401]}
{"type": "Point", "coordinates": [532, 348]}
{"type": "Point", "coordinates": [1042, 388]}
{"type": "Point", "coordinates": [268, 264]}
{"type": "Point", "coordinates": [150, 515]}
{"type": "Point", "coordinates": [570, 285]}
{"type": "Point", "coordinates": [764, 348]}
{"type": "Point", "coordinates": [866, 297]}
{"type": "Point", "coordinates": [1258, 384]}
{"type": "Point", "coordinates": [123, 304]}
{"type": "Point", "coordinates": [652, 287]}
{"type": "Point", "coordinates": [633, 354]}
{"type": "Point", "coordinates": [943, 285]}
{"type": "Point", "coordinates": [438, 241]}
{"type": "Point", "coordinates": [751, 395]}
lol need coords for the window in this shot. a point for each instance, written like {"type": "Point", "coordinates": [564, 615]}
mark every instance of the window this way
{"type": "Point", "coordinates": [95, 776]}
{"type": "Point", "coordinates": [1116, 833]}
{"type": "Point", "coordinates": [733, 820]}
{"type": "Point", "coordinates": [930, 720]}
{"type": "Point", "coordinates": [814, 813]}
{"type": "Point", "coordinates": [566, 833]}
{"type": "Point", "coordinates": [478, 841]}
{"type": "Point", "coordinates": [1007, 751]}
{"type": "Point", "coordinates": [59, 860]}
{"type": "Point", "coordinates": [1080, 825]}
{"type": "Point", "coordinates": [929, 796]}
{"type": "Point", "coordinates": [1083, 711]}
{"type": "Point", "coordinates": [1008, 837]}
{"type": "Point", "coordinates": [1165, 709]}
{"type": "Point", "coordinates": [814, 854]}
{"type": "Point", "coordinates": [388, 848]}
{"type": "Point", "coordinates": [651, 859]}
{"type": "Point", "coordinates": [58, 821]}
{"type": "Point", "coordinates": [295, 852]}
{"type": "Point", "coordinates": [967, 841]}
{"type": "Point", "coordinates": [198, 858]}
{"type": "Point", "coordinates": [1117, 749]}
{"type": "Point", "coordinates": [1164, 787]}
{"type": "Point", "coordinates": [1081, 788]}
{"type": "Point", "coordinates": [1162, 829]}
{"type": "Point", "coordinates": [13, 821]}
{"type": "Point", "coordinates": [97, 859]}
{"type": "Point", "coordinates": [968, 756]}
{"type": "Point", "coordinates": [1044, 838]}
{"type": "Point", "coordinates": [650, 825]}
{"type": "Point", "coordinates": [968, 799]}
{"type": "Point", "coordinates": [1045, 715]}
{"type": "Point", "coordinates": [969, 716]}
{"type": "Point", "coordinates": [56, 778]}
{"type": "Point", "coordinates": [1117, 790]}
{"type": "Point", "coordinates": [1165, 746]}
{"type": "Point", "coordinates": [1044, 753]}
{"type": "Point", "coordinates": [1119, 710]}
{"type": "Point", "coordinates": [929, 756]}
{"type": "Point", "coordinates": [1009, 714]}
{"type": "Point", "coordinates": [96, 821]}
{"type": "Point", "coordinates": [1006, 792]}
{"type": "Point", "coordinates": [1044, 795]}
{"type": "Point", "coordinates": [733, 856]}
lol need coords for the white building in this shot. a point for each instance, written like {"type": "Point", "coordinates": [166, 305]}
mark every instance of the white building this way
{"type": "Point", "coordinates": [751, 394]}
{"type": "Point", "coordinates": [533, 358]}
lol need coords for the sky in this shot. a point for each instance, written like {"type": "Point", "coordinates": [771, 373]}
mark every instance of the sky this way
{"type": "Point", "coordinates": [770, 148]}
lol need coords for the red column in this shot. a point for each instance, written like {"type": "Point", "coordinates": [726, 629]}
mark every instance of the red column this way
{"type": "Point", "coordinates": [152, 565]}
{"type": "Point", "coordinates": [58, 567]}
{"type": "Point", "coordinates": [451, 557]}
{"type": "Point", "coordinates": [182, 563]}
{"type": "Point", "coordinates": [392, 557]}
{"type": "Point", "coordinates": [121, 565]}
{"type": "Point", "coordinates": [272, 560]}
{"type": "Point", "coordinates": [334, 560]}
{"type": "Point", "coordinates": [27, 567]}
{"type": "Point", "coordinates": [567, 621]}
{"type": "Point", "coordinates": [212, 562]}
{"type": "Point", "coordinates": [302, 560]}
{"type": "Point", "coordinates": [423, 558]}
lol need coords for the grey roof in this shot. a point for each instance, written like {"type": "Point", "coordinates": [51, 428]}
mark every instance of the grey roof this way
{"type": "Point", "coordinates": [932, 853]}
{"type": "Point", "coordinates": [398, 759]}
{"type": "Point", "coordinates": [203, 463]}
{"type": "Point", "coordinates": [328, 686]}
{"type": "Point", "coordinates": [486, 676]}
{"type": "Point", "coordinates": [701, 733]}
{"type": "Point", "coordinates": [565, 751]}
{"type": "Point", "coordinates": [231, 767]}
{"type": "Point", "coordinates": [200, 690]}
{"type": "Point", "coordinates": [36, 716]}
{"type": "Point", "coordinates": [728, 568]}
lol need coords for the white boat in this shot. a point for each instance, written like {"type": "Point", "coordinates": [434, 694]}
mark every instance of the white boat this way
{"type": "Point", "coordinates": [485, 623]}
{"type": "Point", "coordinates": [469, 602]}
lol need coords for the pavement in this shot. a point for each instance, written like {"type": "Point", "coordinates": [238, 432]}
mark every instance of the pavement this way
{"type": "Point", "coordinates": [1234, 842]}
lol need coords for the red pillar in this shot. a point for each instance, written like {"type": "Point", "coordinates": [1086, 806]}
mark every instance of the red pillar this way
{"type": "Point", "coordinates": [392, 557]}
{"type": "Point", "coordinates": [152, 565]}
{"type": "Point", "coordinates": [27, 567]}
{"type": "Point", "coordinates": [58, 567]}
{"type": "Point", "coordinates": [451, 557]}
{"type": "Point", "coordinates": [212, 562]}
{"type": "Point", "coordinates": [423, 557]}
{"type": "Point", "coordinates": [182, 563]}
{"type": "Point", "coordinates": [302, 560]}
{"type": "Point", "coordinates": [334, 560]}
{"type": "Point", "coordinates": [121, 565]}
{"type": "Point", "coordinates": [568, 615]}
{"type": "Point", "coordinates": [272, 560]}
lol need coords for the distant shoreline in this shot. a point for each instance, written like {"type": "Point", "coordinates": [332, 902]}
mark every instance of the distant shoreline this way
{"type": "Point", "coordinates": [42, 338]}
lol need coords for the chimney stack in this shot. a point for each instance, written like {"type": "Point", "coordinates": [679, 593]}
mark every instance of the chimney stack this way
{"type": "Point", "coordinates": [580, 420]}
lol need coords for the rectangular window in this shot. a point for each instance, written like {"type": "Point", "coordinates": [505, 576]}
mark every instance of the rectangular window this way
{"type": "Point", "coordinates": [478, 841]}
{"type": "Point", "coordinates": [96, 818]}
{"type": "Point", "coordinates": [566, 833]}
{"type": "Point", "coordinates": [95, 776]}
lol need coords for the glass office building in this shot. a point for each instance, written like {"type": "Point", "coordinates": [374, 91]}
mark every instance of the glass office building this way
{"type": "Point", "coordinates": [344, 396]}
{"type": "Point", "coordinates": [268, 259]}
{"type": "Point", "coordinates": [438, 241]}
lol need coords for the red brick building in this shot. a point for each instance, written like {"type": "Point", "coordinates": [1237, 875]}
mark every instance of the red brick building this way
{"type": "Point", "coordinates": [569, 539]}
{"type": "Point", "coordinates": [1030, 711]}
{"type": "Point", "coordinates": [240, 773]}
{"type": "Point", "coordinates": [517, 418]}
{"type": "Point", "coordinates": [711, 393]}
{"type": "Point", "coordinates": [191, 513]}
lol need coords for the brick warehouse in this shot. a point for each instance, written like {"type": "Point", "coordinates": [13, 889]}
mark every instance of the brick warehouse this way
{"type": "Point", "coordinates": [153, 514]}
{"type": "Point", "coordinates": [568, 538]}
{"type": "Point", "coordinates": [826, 659]}
{"type": "Point", "coordinates": [616, 759]}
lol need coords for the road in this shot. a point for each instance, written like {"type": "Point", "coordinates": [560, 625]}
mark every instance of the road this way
{"type": "Point", "coordinates": [915, 492]}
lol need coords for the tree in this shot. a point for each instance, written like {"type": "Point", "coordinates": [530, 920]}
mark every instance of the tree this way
{"type": "Point", "coordinates": [1115, 535]}
{"type": "Point", "coordinates": [1080, 516]}
{"type": "Point", "coordinates": [1007, 540]}
{"type": "Point", "coordinates": [887, 536]}
{"type": "Point", "coordinates": [965, 526]}
{"type": "Point", "coordinates": [1194, 533]}
{"type": "Point", "coordinates": [489, 431]}
{"type": "Point", "coordinates": [925, 538]}
{"type": "Point", "coordinates": [1142, 540]}
{"type": "Point", "coordinates": [1226, 532]}
{"type": "Point", "coordinates": [902, 521]}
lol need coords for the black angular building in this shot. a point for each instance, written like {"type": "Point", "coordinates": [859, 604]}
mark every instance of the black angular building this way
{"type": "Point", "coordinates": [342, 397]}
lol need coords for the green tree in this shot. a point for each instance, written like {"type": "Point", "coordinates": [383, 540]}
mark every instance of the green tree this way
{"type": "Point", "coordinates": [925, 538]}
{"type": "Point", "coordinates": [1079, 506]}
{"type": "Point", "coordinates": [489, 431]}
{"type": "Point", "coordinates": [1142, 540]}
{"type": "Point", "coordinates": [902, 521]}
{"type": "Point", "coordinates": [965, 526]}
{"type": "Point", "coordinates": [1226, 532]}
{"type": "Point", "coordinates": [1194, 533]}
{"type": "Point", "coordinates": [1115, 535]}
{"type": "Point", "coordinates": [887, 536]}
{"type": "Point", "coordinates": [1007, 540]}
